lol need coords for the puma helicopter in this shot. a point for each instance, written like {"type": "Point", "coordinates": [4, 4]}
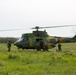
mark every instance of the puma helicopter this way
{"type": "Point", "coordinates": [41, 40]}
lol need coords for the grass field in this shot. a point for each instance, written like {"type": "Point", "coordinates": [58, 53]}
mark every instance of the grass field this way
{"type": "Point", "coordinates": [32, 62]}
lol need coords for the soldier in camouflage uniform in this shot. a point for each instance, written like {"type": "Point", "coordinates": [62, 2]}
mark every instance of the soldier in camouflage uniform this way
{"type": "Point", "coordinates": [38, 46]}
{"type": "Point", "coordinates": [59, 47]}
{"type": "Point", "coordinates": [45, 46]}
{"type": "Point", "coordinates": [9, 45]}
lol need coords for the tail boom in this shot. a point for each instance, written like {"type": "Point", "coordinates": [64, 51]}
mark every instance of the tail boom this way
{"type": "Point", "coordinates": [66, 39]}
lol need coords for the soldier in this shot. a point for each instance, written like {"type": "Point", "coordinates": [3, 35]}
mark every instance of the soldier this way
{"type": "Point", "coordinates": [59, 47]}
{"type": "Point", "coordinates": [38, 46]}
{"type": "Point", "coordinates": [45, 47]}
{"type": "Point", "coordinates": [9, 45]}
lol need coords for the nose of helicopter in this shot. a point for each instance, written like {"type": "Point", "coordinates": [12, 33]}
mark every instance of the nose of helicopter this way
{"type": "Point", "coordinates": [17, 44]}
{"type": "Point", "coordinates": [21, 43]}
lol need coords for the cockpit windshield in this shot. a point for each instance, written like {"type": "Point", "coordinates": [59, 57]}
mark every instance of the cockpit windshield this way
{"type": "Point", "coordinates": [23, 39]}
{"type": "Point", "coordinates": [20, 39]}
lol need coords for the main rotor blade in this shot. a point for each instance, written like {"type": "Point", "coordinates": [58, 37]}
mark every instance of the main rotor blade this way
{"type": "Point", "coordinates": [57, 26]}
{"type": "Point", "coordinates": [37, 27]}
{"type": "Point", "coordinates": [11, 29]}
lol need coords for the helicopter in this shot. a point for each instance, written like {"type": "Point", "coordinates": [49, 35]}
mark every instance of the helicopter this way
{"type": "Point", "coordinates": [40, 40]}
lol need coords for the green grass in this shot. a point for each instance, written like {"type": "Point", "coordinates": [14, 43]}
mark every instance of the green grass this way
{"type": "Point", "coordinates": [32, 62]}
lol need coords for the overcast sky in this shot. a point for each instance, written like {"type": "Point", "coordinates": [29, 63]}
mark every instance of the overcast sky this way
{"type": "Point", "coordinates": [25, 14]}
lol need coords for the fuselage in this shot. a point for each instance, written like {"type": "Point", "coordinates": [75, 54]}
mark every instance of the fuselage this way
{"type": "Point", "coordinates": [29, 41]}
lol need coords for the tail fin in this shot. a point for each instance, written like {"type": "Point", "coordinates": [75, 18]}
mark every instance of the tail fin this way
{"type": "Point", "coordinates": [74, 39]}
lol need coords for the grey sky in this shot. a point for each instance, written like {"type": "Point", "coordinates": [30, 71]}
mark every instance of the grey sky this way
{"type": "Point", "coordinates": [20, 14]}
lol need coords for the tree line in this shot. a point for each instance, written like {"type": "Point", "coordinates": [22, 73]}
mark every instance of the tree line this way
{"type": "Point", "coordinates": [5, 39]}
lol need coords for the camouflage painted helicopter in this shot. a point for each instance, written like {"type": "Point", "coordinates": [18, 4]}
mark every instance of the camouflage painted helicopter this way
{"type": "Point", "coordinates": [41, 40]}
